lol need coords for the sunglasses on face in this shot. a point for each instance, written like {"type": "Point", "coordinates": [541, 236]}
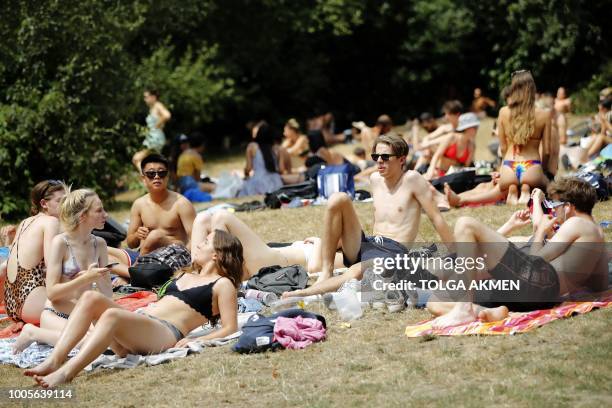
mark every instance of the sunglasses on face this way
{"type": "Point", "coordinates": [384, 156]}
{"type": "Point", "coordinates": [151, 174]}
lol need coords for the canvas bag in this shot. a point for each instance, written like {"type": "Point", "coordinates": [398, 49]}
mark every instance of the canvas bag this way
{"type": "Point", "coordinates": [334, 179]}
{"type": "Point", "coordinates": [279, 280]}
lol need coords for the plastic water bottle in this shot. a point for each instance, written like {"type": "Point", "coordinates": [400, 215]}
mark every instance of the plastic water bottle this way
{"type": "Point", "coordinates": [290, 303]}
{"type": "Point", "coordinates": [267, 298]}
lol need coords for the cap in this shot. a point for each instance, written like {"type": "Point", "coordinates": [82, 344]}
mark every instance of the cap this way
{"type": "Point", "coordinates": [466, 121]}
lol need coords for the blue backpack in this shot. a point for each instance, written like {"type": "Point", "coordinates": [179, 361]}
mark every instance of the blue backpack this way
{"type": "Point", "coordinates": [258, 332]}
{"type": "Point", "coordinates": [334, 179]}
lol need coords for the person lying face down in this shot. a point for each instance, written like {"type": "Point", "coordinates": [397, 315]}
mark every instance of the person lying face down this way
{"type": "Point", "coordinates": [191, 300]}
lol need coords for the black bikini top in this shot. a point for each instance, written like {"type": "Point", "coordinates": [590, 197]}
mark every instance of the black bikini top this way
{"type": "Point", "coordinates": [199, 298]}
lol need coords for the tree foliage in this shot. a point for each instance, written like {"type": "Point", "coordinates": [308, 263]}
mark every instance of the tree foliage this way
{"type": "Point", "coordinates": [72, 73]}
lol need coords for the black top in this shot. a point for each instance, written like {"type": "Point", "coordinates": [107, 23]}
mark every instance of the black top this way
{"type": "Point", "coordinates": [199, 298]}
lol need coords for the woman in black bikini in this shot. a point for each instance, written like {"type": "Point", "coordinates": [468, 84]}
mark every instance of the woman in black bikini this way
{"type": "Point", "coordinates": [189, 301]}
{"type": "Point", "coordinates": [24, 290]}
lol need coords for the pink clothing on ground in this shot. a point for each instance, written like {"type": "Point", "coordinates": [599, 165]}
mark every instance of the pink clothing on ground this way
{"type": "Point", "coordinates": [297, 333]}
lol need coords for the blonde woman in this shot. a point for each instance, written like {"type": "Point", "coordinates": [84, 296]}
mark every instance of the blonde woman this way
{"type": "Point", "coordinates": [76, 263]}
{"type": "Point", "coordinates": [26, 269]}
{"type": "Point", "coordinates": [522, 128]}
{"type": "Point", "coordinates": [189, 301]}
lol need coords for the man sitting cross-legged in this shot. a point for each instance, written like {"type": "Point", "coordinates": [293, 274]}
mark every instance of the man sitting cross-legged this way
{"type": "Point", "coordinates": [398, 199]}
{"type": "Point", "coordinates": [573, 258]}
{"type": "Point", "coordinates": [157, 219]}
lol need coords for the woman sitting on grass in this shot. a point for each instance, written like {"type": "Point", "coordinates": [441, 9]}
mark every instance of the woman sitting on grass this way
{"type": "Point", "coordinates": [189, 302]}
{"type": "Point", "coordinates": [24, 290]}
{"type": "Point", "coordinates": [75, 264]}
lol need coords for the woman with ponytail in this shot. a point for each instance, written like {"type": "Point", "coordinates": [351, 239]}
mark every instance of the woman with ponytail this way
{"type": "Point", "coordinates": [524, 136]}
{"type": "Point", "coordinates": [75, 263]}
{"type": "Point", "coordinates": [26, 269]}
{"type": "Point", "coordinates": [188, 302]}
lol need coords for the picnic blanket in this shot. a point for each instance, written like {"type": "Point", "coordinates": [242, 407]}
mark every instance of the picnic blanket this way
{"type": "Point", "coordinates": [36, 353]}
{"type": "Point", "coordinates": [131, 302]}
{"type": "Point", "coordinates": [515, 323]}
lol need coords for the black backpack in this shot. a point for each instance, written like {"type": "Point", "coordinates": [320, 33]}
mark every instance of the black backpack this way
{"type": "Point", "coordinates": [307, 189]}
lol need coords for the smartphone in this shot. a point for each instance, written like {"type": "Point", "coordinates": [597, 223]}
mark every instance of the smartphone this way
{"type": "Point", "coordinates": [110, 265]}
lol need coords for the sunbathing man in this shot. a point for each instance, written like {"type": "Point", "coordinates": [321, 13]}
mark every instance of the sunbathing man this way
{"type": "Point", "coordinates": [161, 217]}
{"type": "Point", "coordinates": [573, 258]}
{"type": "Point", "coordinates": [398, 199]}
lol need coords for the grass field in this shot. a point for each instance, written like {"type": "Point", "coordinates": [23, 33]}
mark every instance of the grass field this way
{"type": "Point", "coordinates": [565, 363]}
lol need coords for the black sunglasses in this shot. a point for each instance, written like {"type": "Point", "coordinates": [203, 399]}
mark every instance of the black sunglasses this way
{"type": "Point", "coordinates": [152, 173]}
{"type": "Point", "coordinates": [520, 71]}
{"type": "Point", "coordinates": [50, 183]}
{"type": "Point", "coordinates": [384, 156]}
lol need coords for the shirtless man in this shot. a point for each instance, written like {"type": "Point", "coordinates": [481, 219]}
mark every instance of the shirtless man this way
{"type": "Point", "coordinates": [398, 199]}
{"type": "Point", "coordinates": [574, 257]}
{"type": "Point", "coordinates": [161, 217]}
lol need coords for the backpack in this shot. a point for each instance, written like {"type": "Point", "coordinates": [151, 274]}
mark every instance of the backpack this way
{"type": "Point", "coordinates": [113, 233]}
{"type": "Point", "coordinates": [307, 189]}
{"type": "Point", "coordinates": [598, 182]}
{"type": "Point", "coordinates": [334, 179]}
{"type": "Point", "coordinates": [258, 332]}
{"type": "Point", "coordinates": [155, 268]}
{"type": "Point", "coordinates": [279, 280]}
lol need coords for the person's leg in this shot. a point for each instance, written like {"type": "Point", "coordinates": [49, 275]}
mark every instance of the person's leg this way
{"type": "Point", "coordinates": [488, 193]}
{"type": "Point", "coordinates": [201, 228]}
{"type": "Point", "coordinates": [328, 285]}
{"type": "Point", "coordinates": [30, 334]}
{"type": "Point", "coordinates": [88, 309]}
{"type": "Point", "coordinates": [33, 306]}
{"type": "Point", "coordinates": [340, 222]}
{"type": "Point", "coordinates": [525, 194]}
{"type": "Point", "coordinates": [474, 239]}
{"type": "Point", "coordinates": [257, 254]}
{"type": "Point", "coordinates": [509, 182]}
{"type": "Point", "coordinates": [132, 331]}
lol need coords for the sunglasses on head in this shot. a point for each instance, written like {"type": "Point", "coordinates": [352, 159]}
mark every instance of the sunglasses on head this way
{"type": "Point", "coordinates": [520, 71]}
{"type": "Point", "coordinates": [384, 156]}
{"type": "Point", "coordinates": [150, 174]}
{"type": "Point", "coordinates": [50, 183]}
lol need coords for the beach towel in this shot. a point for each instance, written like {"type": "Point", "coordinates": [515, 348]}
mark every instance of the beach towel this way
{"type": "Point", "coordinates": [130, 302]}
{"type": "Point", "coordinates": [36, 353]}
{"type": "Point", "coordinates": [515, 323]}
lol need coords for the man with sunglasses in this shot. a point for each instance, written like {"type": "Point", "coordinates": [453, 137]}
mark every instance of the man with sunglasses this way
{"type": "Point", "coordinates": [399, 197]}
{"type": "Point", "coordinates": [566, 254]}
{"type": "Point", "coordinates": [161, 217]}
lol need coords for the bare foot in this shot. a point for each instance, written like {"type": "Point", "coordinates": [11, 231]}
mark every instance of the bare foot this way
{"type": "Point", "coordinates": [44, 368]}
{"type": "Point", "coordinates": [52, 380]}
{"type": "Point", "coordinates": [24, 340]}
{"type": "Point", "coordinates": [295, 293]}
{"type": "Point", "coordinates": [452, 197]}
{"type": "Point", "coordinates": [512, 199]}
{"type": "Point", "coordinates": [524, 198]}
{"type": "Point", "coordinates": [493, 314]}
{"type": "Point", "coordinates": [463, 312]}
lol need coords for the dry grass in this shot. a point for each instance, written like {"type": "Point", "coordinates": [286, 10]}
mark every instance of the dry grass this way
{"type": "Point", "coordinates": [565, 363]}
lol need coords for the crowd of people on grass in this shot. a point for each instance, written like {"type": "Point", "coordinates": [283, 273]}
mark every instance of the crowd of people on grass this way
{"type": "Point", "coordinates": [57, 276]}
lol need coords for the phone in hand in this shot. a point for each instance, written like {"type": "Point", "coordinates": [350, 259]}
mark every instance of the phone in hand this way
{"type": "Point", "coordinates": [110, 265]}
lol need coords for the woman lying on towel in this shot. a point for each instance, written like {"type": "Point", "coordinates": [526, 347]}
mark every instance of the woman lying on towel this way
{"type": "Point", "coordinates": [75, 264]}
{"type": "Point", "coordinates": [257, 254]}
{"type": "Point", "coordinates": [189, 301]}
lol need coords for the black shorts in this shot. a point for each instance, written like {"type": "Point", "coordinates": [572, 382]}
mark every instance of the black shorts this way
{"type": "Point", "coordinates": [376, 247]}
{"type": "Point", "coordinates": [538, 280]}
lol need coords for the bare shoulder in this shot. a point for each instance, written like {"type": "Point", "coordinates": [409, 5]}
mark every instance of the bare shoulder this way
{"type": "Point", "coordinates": [139, 202]}
{"type": "Point", "coordinates": [583, 228]}
{"type": "Point", "coordinates": [59, 241]}
{"type": "Point", "coordinates": [49, 221]}
{"type": "Point", "coordinates": [414, 178]}
{"type": "Point", "coordinates": [225, 285]}
{"type": "Point", "coordinates": [181, 202]}
{"type": "Point", "coordinates": [100, 242]}
{"type": "Point", "coordinates": [504, 112]}
{"type": "Point", "coordinates": [542, 116]}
